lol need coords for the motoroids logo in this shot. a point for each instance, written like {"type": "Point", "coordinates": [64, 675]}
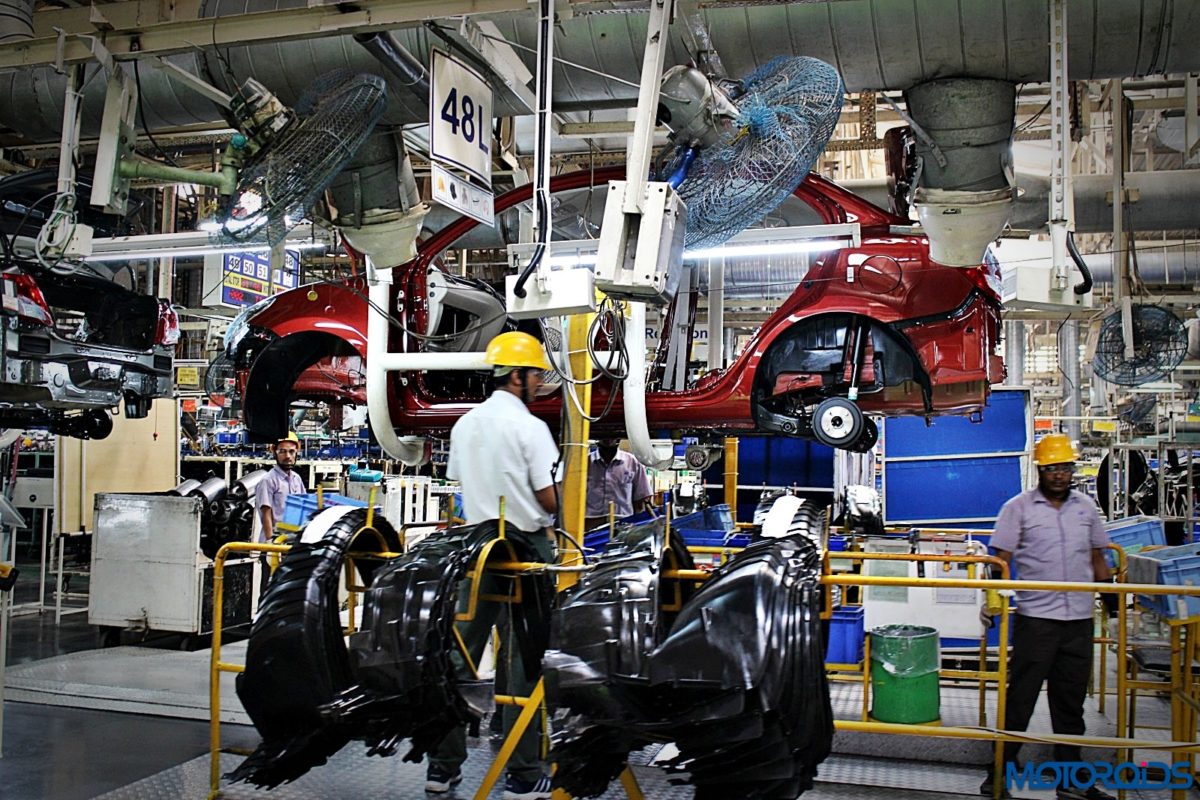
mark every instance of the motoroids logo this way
{"type": "Point", "coordinates": [1084, 774]}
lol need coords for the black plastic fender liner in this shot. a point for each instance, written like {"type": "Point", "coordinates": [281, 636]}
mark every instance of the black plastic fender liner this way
{"type": "Point", "coordinates": [410, 686]}
{"type": "Point", "coordinates": [737, 681]}
{"type": "Point", "coordinates": [296, 659]}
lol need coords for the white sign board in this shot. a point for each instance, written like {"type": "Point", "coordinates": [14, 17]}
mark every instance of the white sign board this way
{"type": "Point", "coordinates": [462, 195]}
{"type": "Point", "coordinates": [460, 117]}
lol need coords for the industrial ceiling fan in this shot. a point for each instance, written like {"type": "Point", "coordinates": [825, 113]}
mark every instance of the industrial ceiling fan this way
{"type": "Point", "coordinates": [736, 154]}
{"type": "Point", "coordinates": [1149, 350]}
{"type": "Point", "coordinates": [271, 171]}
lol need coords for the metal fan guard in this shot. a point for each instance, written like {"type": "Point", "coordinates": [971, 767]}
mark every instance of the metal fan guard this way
{"type": "Point", "coordinates": [336, 115]}
{"type": "Point", "coordinates": [788, 111]}
{"type": "Point", "coordinates": [1159, 345]}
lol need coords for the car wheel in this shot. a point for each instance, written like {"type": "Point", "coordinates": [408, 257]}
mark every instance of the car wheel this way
{"type": "Point", "coordinates": [867, 439]}
{"type": "Point", "coordinates": [837, 422]}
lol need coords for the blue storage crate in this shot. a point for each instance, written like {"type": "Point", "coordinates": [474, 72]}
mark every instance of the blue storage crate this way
{"type": "Point", "coordinates": [596, 542]}
{"type": "Point", "coordinates": [837, 544]}
{"type": "Point", "coordinates": [1133, 534]}
{"type": "Point", "coordinates": [302, 507]}
{"type": "Point", "coordinates": [846, 634]}
{"type": "Point", "coordinates": [713, 518]}
{"type": "Point", "coordinates": [227, 438]}
{"type": "Point", "coordinates": [1172, 566]}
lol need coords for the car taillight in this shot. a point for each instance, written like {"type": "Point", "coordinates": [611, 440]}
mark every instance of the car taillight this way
{"type": "Point", "coordinates": [22, 295]}
{"type": "Point", "coordinates": [166, 332]}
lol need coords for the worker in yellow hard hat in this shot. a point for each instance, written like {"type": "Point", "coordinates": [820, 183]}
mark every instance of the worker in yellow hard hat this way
{"type": "Point", "coordinates": [1051, 533]}
{"type": "Point", "coordinates": [499, 449]}
{"type": "Point", "coordinates": [270, 497]}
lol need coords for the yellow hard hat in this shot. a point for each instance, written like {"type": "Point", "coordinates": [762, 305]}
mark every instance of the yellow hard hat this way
{"type": "Point", "coordinates": [290, 437]}
{"type": "Point", "coordinates": [1056, 448]}
{"type": "Point", "coordinates": [516, 349]}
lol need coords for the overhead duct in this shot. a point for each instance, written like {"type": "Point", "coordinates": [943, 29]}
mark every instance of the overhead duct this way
{"type": "Point", "coordinates": [1160, 200]}
{"type": "Point", "coordinates": [965, 184]}
{"type": "Point", "coordinates": [871, 43]}
{"type": "Point", "coordinates": [16, 20]}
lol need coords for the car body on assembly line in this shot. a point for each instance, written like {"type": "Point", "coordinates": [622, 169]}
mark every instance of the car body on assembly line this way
{"type": "Point", "coordinates": [74, 344]}
{"type": "Point", "coordinates": [872, 329]}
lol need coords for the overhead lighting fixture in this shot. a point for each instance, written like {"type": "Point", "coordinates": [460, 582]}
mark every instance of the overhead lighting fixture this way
{"type": "Point", "coordinates": [192, 243]}
{"type": "Point", "coordinates": [766, 249]}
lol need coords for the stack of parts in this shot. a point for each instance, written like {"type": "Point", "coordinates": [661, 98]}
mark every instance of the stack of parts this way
{"type": "Point", "coordinates": [296, 659]}
{"type": "Point", "coordinates": [735, 678]}
{"type": "Point", "coordinates": [412, 682]}
{"type": "Point", "coordinates": [228, 511]}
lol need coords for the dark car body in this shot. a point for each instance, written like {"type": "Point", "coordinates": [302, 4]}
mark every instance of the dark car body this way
{"type": "Point", "coordinates": [929, 335]}
{"type": "Point", "coordinates": [73, 344]}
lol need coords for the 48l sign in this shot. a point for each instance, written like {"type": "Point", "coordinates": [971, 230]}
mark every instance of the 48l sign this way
{"type": "Point", "coordinates": [460, 117]}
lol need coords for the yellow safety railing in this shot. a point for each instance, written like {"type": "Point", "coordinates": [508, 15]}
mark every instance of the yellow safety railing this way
{"type": "Point", "coordinates": [216, 665]}
{"type": "Point", "coordinates": [1184, 702]}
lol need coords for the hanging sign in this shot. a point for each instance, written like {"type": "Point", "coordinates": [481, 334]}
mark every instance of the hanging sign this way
{"type": "Point", "coordinates": [460, 117]}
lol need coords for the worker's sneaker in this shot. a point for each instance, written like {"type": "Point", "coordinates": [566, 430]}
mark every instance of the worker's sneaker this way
{"type": "Point", "coordinates": [439, 780]}
{"type": "Point", "coordinates": [517, 789]}
{"type": "Point", "coordinates": [987, 787]}
{"type": "Point", "coordinates": [1090, 793]}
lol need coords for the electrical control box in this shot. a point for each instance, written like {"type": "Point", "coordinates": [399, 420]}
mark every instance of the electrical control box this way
{"type": "Point", "coordinates": [641, 255]}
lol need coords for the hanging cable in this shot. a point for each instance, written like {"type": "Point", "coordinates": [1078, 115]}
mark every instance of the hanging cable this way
{"type": "Point", "coordinates": [541, 148]}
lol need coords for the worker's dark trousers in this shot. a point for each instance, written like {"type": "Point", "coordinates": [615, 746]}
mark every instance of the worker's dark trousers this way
{"type": "Point", "coordinates": [1054, 651]}
{"type": "Point", "coordinates": [526, 761]}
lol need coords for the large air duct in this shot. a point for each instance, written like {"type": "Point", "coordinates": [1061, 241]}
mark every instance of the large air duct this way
{"type": "Point", "coordinates": [16, 21]}
{"type": "Point", "coordinates": [964, 129]}
{"type": "Point", "coordinates": [871, 43]}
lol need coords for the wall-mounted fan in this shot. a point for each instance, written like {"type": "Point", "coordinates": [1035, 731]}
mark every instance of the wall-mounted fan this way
{"type": "Point", "coordinates": [271, 171]}
{"type": "Point", "coordinates": [738, 154]}
{"type": "Point", "coordinates": [1159, 344]}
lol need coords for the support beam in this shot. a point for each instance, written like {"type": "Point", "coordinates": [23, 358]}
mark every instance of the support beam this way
{"type": "Point", "coordinates": [731, 474]}
{"type": "Point", "coordinates": [575, 445]}
{"type": "Point", "coordinates": [140, 32]}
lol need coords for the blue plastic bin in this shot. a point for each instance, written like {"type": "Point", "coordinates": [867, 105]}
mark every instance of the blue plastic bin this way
{"type": "Point", "coordinates": [846, 633]}
{"type": "Point", "coordinates": [302, 507]}
{"type": "Point", "coordinates": [1172, 566]}
{"type": "Point", "coordinates": [1133, 534]}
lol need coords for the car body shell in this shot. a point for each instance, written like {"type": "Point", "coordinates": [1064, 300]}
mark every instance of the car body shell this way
{"type": "Point", "coordinates": [945, 318]}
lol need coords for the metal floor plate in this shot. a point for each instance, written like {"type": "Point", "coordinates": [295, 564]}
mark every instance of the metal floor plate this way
{"type": "Point", "coordinates": [351, 775]}
{"type": "Point", "coordinates": [136, 680]}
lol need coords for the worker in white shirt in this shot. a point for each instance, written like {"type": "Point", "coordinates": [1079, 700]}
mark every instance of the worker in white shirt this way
{"type": "Point", "coordinates": [499, 449]}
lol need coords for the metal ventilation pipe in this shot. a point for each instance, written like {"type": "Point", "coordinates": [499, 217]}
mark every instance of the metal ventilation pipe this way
{"type": "Point", "coordinates": [396, 59]}
{"type": "Point", "coordinates": [16, 20]}
{"type": "Point", "coordinates": [964, 130]}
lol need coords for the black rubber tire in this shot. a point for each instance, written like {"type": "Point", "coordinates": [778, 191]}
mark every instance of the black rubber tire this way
{"type": "Point", "coordinates": [837, 422]}
{"type": "Point", "coordinates": [867, 439]}
{"type": "Point", "coordinates": [296, 659]}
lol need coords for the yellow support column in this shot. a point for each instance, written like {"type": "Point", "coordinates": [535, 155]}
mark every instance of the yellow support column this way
{"type": "Point", "coordinates": [731, 474]}
{"type": "Point", "coordinates": [574, 442]}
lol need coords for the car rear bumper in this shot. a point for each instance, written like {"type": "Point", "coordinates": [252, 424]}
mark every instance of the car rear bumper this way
{"type": "Point", "coordinates": [40, 369]}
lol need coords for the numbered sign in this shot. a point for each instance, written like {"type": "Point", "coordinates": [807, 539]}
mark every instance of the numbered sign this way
{"type": "Point", "coordinates": [460, 117]}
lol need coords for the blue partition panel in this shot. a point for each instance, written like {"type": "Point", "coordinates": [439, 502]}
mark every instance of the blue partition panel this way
{"type": "Point", "coordinates": [950, 488]}
{"type": "Point", "coordinates": [1003, 429]}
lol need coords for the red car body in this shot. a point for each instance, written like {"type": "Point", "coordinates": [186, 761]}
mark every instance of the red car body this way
{"type": "Point", "coordinates": [931, 348]}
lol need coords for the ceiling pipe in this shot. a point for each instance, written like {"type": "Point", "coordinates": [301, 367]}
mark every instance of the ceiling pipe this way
{"type": "Point", "coordinates": [396, 59]}
{"type": "Point", "coordinates": [16, 20]}
{"type": "Point", "coordinates": [870, 42]}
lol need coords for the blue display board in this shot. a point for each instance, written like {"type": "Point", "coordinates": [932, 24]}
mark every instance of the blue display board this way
{"type": "Point", "coordinates": [246, 278]}
{"type": "Point", "coordinates": [1004, 428]}
{"type": "Point", "coordinates": [951, 489]}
